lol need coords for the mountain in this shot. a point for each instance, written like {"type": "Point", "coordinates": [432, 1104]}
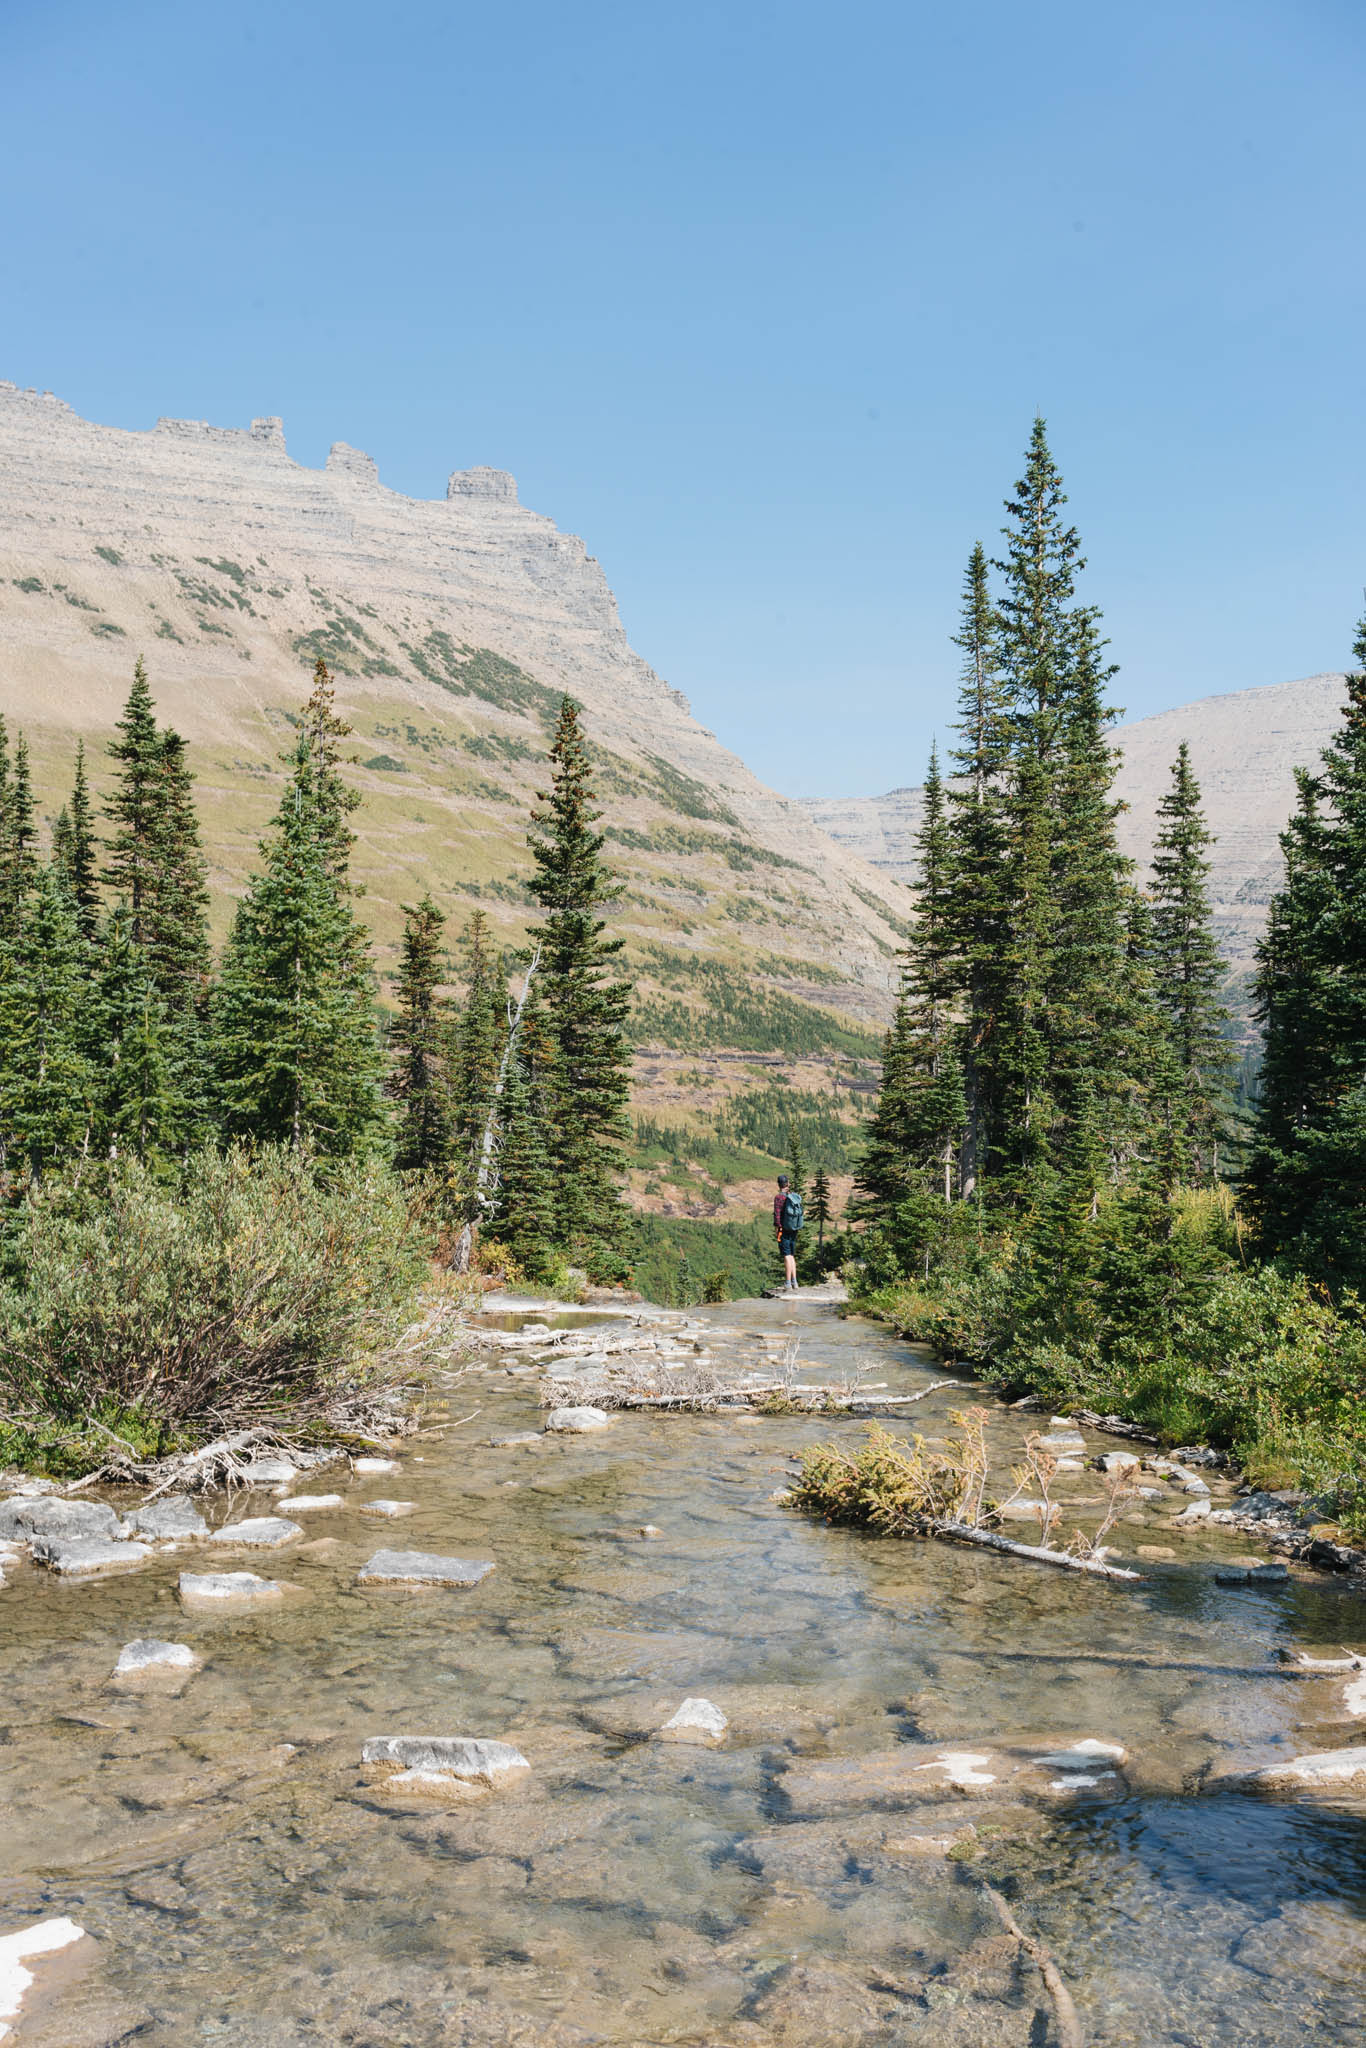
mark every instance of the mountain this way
{"type": "Point", "coordinates": [1245, 748]}
{"type": "Point", "coordinates": [453, 626]}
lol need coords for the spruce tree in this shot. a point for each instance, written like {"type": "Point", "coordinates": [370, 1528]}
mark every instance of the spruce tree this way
{"type": "Point", "coordinates": [1306, 1179]}
{"type": "Point", "coordinates": [523, 1199]}
{"type": "Point", "coordinates": [134, 806]}
{"type": "Point", "coordinates": [175, 920]}
{"type": "Point", "coordinates": [294, 1051]}
{"type": "Point", "coordinates": [420, 1038]}
{"type": "Point", "coordinates": [323, 727]}
{"type": "Point", "coordinates": [139, 1108]}
{"type": "Point", "coordinates": [1187, 972]}
{"type": "Point", "coordinates": [46, 1078]}
{"type": "Point", "coordinates": [820, 1205]}
{"type": "Point", "coordinates": [477, 1039]}
{"type": "Point", "coordinates": [79, 856]}
{"type": "Point", "coordinates": [587, 1004]}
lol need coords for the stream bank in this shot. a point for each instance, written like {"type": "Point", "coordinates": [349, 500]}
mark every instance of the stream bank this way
{"type": "Point", "coordinates": [902, 1723]}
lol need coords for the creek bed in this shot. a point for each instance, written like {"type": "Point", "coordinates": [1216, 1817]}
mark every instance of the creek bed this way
{"type": "Point", "coordinates": [245, 1883]}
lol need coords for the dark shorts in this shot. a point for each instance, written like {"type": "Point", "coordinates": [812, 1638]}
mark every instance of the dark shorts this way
{"type": "Point", "coordinates": [787, 1244]}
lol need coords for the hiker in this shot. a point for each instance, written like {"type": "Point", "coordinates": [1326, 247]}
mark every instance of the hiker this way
{"type": "Point", "coordinates": [787, 1221]}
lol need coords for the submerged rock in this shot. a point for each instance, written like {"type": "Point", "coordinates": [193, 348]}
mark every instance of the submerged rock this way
{"type": "Point", "coordinates": [1329, 1771]}
{"type": "Point", "coordinates": [148, 1655]}
{"type": "Point", "coordinates": [419, 1789]}
{"type": "Point", "coordinates": [1251, 1574]}
{"type": "Point", "coordinates": [577, 1421]}
{"type": "Point", "coordinates": [372, 1468]}
{"type": "Point", "coordinates": [422, 1568]}
{"type": "Point", "coordinates": [310, 1503]}
{"type": "Point", "coordinates": [20, 1948]}
{"type": "Point", "coordinates": [390, 1510]}
{"type": "Point", "coordinates": [176, 1517]}
{"type": "Point", "coordinates": [269, 1472]}
{"type": "Point", "coordinates": [697, 1720]}
{"type": "Point", "coordinates": [472, 1759]}
{"type": "Point", "coordinates": [1062, 1444]}
{"type": "Point", "coordinates": [259, 1532]}
{"type": "Point", "coordinates": [82, 1557]}
{"type": "Point", "coordinates": [229, 1589]}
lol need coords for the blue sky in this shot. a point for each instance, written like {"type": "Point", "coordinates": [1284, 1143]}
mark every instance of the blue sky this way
{"type": "Point", "coordinates": [759, 299]}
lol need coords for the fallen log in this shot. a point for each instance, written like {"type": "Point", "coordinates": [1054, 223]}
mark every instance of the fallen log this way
{"type": "Point", "coordinates": [987, 1539]}
{"type": "Point", "coordinates": [1069, 2026]}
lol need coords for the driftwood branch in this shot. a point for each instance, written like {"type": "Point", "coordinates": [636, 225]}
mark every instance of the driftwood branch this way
{"type": "Point", "coordinates": [1069, 2026]}
{"type": "Point", "coordinates": [987, 1539]}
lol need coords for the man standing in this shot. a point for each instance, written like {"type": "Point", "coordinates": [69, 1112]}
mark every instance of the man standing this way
{"type": "Point", "coordinates": [787, 1221]}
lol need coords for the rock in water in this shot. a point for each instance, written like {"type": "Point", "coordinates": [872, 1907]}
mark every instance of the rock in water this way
{"type": "Point", "coordinates": [1330, 1770]}
{"type": "Point", "coordinates": [310, 1503]}
{"type": "Point", "coordinates": [390, 1510]}
{"type": "Point", "coordinates": [149, 1656]}
{"type": "Point", "coordinates": [1120, 1461]}
{"type": "Point", "coordinates": [175, 1517]}
{"type": "Point", "coordinates": [21, 1947]}
{"type": "Point", "coordinates": [259, 1532]}
{"type": "Point", "coordinates": [697, 1720]}
{"type": "Point", "coordinates": [422, 1568]}
{"type": "Point", "coordinates": [81, 1557]}
{"type": "Point", "coordinates": [472, 1758]}
{"type": "Point", "coordinates": [43, 1515]}
{"type": "Point", "coordinates": [229, 1589]}
{"type": "Point", "coordinates": [577, 1421]}
{"type": "Point", "coordinates": [371, 1468]}
{"type": "Point", "coordinates": [269, 1472]}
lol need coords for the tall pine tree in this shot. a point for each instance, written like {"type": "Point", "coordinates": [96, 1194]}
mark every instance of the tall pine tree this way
{"type": "Point", "coordinates": [47, 1080]}
{"type": "Point", "coordinates": [1186, 973]}
{"type": "Point", "coordinates": [420, 1037]}
{"type": "Point", "coordinates": [75, 849]}
{"type": "Point", "coordinates": [587, 1003]}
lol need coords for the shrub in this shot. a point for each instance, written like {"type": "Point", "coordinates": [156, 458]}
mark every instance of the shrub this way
{"type": "Point", "coordinates": [260, 1286]}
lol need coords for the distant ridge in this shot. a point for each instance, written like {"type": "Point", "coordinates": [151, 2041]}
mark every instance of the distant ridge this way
{"type": "Point", "coordinates": [1245, 745]}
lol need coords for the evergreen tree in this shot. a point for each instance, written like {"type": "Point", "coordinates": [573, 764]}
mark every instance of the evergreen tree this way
{"type": "Point", "coordinates": [820, 1205]}
{"type": "Point", "coordinates": [975, 863]}
{"type": "Point", "coordinates": [419, 1036]}
{"type": "Point", "coordinates": [139, 1107]}
{"type": "Point", "coordinates": [912, 1139]}
{"type": "Point", "coordinates": [175, 918]}
{"type": "Point", "coordinates": [323, 727]}
{"type": "Point", "coordinates": [46, 1080]}
{"type": "Point", "coordinates": [1187, 972]}
{"type": "Point", "coordinates": [521, 1211]}
{"type": "Point", "coordinates": [1306, 1178]}
{"type": "Point", "coordinates": [78, 858]}
{"type": "Point", "coordinates": [477, 1041]}
{"type": "Point", "coordinates": [294, 1051]}
{"type": "Point", "coordinates": [134, 806]}
{"type": "Point", "coordinates": [586, 1004]}
{"type": "Point", "coordinates": [796, 1163]}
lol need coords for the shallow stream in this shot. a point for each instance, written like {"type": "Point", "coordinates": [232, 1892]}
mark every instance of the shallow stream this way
{"type": "Point", "coordinates": [246, 1886]}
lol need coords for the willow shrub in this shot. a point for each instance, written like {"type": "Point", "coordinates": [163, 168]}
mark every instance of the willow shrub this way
{"type": "Point", "coordinates": [259, 1285]}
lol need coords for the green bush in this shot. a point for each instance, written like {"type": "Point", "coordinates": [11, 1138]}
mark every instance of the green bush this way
{"type": "Point", "coordinates": [258, 1287]}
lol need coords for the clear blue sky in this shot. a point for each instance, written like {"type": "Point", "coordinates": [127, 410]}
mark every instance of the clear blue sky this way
{"type": "Point", "coordinates": [759, 299]}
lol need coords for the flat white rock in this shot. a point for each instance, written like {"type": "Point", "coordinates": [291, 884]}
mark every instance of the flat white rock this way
{"type": "Point", "coordinates": [269, 1472]}
{"type": "Point", "coordinates": [422, 1568]}
{"type": "Point", "coordinates": [1328, 1767]}
{"type": "Point", "coordinates": [1120, 1461]}
{"type": "Point", "coordinates": [259, 1532]}
{"type": "Point", "coordinates": [371, 1468]}
{"type": "Point", "coordinates": [1198, 1511]}
{"type": "Point", "coordinates": [470, 1757]}
{"type": "Point", "coordinates": [18, 1949]}
{"type": "Point", "coordinates": [577, 1421]}
{"type": "Point", "coordinates": [697, 1720]}
{"type": "Point", "coordinates": [310, 1503]}
{"type": "Point", "coordinates": [1082, 1756]}
{"type": "Point", "coordinates": [148, 1654]}
{"type": "Point", "coordinates": [963, 1767]}
{"type": "Point", "coordinates": [229, 1589]}
{"type": "Point", "coordinates": [1027, 1510]}
{"type": "Point", "coordinates": [175, 1517]}
{"type": "Point", "coordinates": [83, 1557]}
{"type": "Point", "coordinates": [390, 1510]}
{"type": "Point", "coordinates": [27, 1516]}
{"type": "Point", "coordinates": [1062, 1446]}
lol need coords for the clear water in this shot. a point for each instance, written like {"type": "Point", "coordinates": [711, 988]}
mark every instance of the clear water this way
{"type": "Point", "coordinates": [638, 1893]}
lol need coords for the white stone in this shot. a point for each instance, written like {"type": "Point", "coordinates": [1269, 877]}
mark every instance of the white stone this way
{"type": "Point", "coordinates": [373, 1468]}
{"type": "Point", "coordinates": [1061, 1445]}
{"type": "Point", "coordinates": [1027, 1510]}
{"type": "Point", "coordinates": [310, 1503]}
{"type": "Point", "coordinates": [1198, 1511]}
{"type": "Point", "coordinates": [1081, 1756]}
{"type": "Point", "coordinates": [391, 1510]}
{"type": "Point", "coordinates": [82, 1558]}
{"type": "Point", "coordinates": [1078, 1781]}
{"type": "Point", "coordinates": [697, 1720]}
{"type": "Point", "coordinates": [1120, 1461]}
{"type": "Point", "coordinates": [174, 1517]}
{"type": "Point", "coordinates": [422, 1568]}
{"type": "Point", "coordinates": [259, 1532]}
{"type": "Point", "coordinates": [431, 1787]}
{"type": "Point", "coordinates": [269, 1472]}
{"type": "Point", "coordinates": [472, 1757]}
{"type": "Point", "coordinates": [1328, 1767]}
{"type": "Point", "coordinates": [577, 1421]}
{"type": "Point", "coordinates": [229, 1589]}
{"type": "Point", "coordinates": [1354, 1695]}
{"type": "Point", "coordinates": [33, 1515]}
{"type": "Point", "coordinates": [21, 1947]}
{"type": "Point", "coordinates": [148, 1654]}
{"type": "Point", "coordinates": [962, 1767]}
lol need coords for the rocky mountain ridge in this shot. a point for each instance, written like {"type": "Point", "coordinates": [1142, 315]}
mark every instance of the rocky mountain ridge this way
{"type": "Point", "coordinates": [1245, 747]}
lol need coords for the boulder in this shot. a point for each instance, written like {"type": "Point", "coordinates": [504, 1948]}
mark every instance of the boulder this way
{"type": "Point", "coordinates": [148, 1656]}
{"type": "Point", "coordinates": [228, 1589]}
{"type": "Point", "coordinates": [473, 1759]}
{"type": "Point", "coordinates": [1120, 1461]}
{"type": "Point", "coordinates": [310, 1503]}
{"type": "Point", "coordinates": [44, 1514]}
{"type": "Point", "coordinates": [697, 1720]}
{"type": "Point", "coordinates": [259, 1532]}
{"type": "Point", "coordinates": [389, 1510]}
{"type": "Point", "coordinates": [577, 1421]}
{"type": "Point", "coordinates": [421, 1568]}
{"type": "Point", "coordinates": [176, 1517]}
{"type": "Point", "coordinates": [81, 1557]}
